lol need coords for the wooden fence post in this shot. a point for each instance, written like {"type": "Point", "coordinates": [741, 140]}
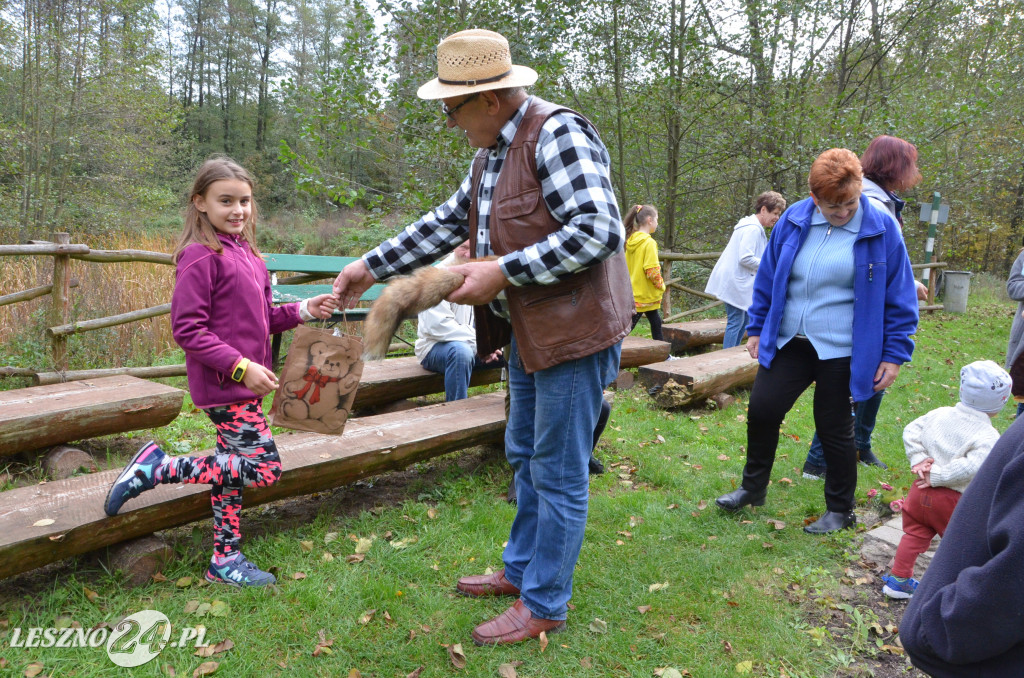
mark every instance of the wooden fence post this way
{"type": "Point", "coordinates": [666, 299]}
{"type": "Point", "coordinates": [59, 305]}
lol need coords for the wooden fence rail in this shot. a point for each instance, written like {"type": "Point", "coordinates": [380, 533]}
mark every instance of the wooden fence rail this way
{"type": "Point", "coordinates": [62, 251]}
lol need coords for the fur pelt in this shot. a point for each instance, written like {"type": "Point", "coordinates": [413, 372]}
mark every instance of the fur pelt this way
{"type": "Point", "coordinates": [403, 298]}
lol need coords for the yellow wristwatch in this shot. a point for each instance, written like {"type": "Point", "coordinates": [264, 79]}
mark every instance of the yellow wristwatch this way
{"type": "Point", "coordinates": [239, 372]}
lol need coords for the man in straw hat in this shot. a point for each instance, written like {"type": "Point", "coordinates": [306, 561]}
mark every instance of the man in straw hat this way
{"type": "Point", "coordinates": [539, 202]}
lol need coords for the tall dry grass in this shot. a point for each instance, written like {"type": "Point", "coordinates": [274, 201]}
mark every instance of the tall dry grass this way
{"type": "Point", "coordinates": [103, 290]}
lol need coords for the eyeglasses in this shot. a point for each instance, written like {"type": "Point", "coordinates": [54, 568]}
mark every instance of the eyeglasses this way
{"type": "Point", "coordinates": [450, 112]}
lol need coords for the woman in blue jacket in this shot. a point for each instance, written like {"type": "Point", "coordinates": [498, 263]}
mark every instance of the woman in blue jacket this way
{"type": "Point", "coordinates": [833, 305]}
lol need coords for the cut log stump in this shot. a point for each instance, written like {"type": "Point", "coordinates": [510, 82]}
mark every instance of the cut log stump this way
{"type": "Point", "coordinates": [139, 559]}
{"type": "Point", "coordinates": [42, 416]}
{"type": "Point", "coordinates": [685, 382]}
{"type": "Point", "coordinates": [625, 381]}
{"type": "Point", "coordinates": [64, 461]}
{"type": "Point", "coordinates": [689, 335]}
{"type": "Point", "coordinates": [55, 520]}
{"type": "Point", "coordinates": [722, 400]}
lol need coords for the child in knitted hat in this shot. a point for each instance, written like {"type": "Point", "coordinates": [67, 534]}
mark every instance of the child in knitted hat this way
{"type": "Point", "coordinates": [946, 448]}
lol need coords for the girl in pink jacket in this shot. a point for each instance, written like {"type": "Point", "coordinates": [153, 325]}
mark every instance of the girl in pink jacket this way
{"type": "Point", "coordinates": [222, 316]}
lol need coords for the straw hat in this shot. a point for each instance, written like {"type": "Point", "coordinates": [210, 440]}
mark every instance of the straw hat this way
{"type": "Point", "coordinates": [474, 61]}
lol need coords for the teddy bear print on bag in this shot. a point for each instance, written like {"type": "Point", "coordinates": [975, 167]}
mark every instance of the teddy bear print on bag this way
{"type": "Point", "coordinates": [320, 393]}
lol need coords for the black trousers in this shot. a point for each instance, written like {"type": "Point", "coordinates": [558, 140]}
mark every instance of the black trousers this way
{"type": "Point", "coordinates": [795, 367]}
{"type": "Point", "coordinates": [654, 317]}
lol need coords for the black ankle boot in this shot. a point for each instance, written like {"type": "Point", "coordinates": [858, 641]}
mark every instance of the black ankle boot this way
{"type": "Point", "coordinates": [737, 499]}
{"type": "Point", "coordinates": [868, 458]}
{"type": "Point", "coordinates": [832, 521]}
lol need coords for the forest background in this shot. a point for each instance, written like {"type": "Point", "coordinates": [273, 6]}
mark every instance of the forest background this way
{"type": "Point", "coordinates": [107, 106]}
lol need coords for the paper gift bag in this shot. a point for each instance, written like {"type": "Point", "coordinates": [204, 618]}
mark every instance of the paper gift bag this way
{"type": "Point", "coordinates": [318, 382]}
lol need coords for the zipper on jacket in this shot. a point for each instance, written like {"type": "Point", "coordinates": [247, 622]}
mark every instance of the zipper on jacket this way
{"type": "Point", "coordinates": [871, 272]}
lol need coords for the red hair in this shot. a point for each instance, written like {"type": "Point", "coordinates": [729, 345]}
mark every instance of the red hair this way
{"type": "Point", "coordinates": [835, 176]}
{"type": "Point", "coordinates": [891, 163]}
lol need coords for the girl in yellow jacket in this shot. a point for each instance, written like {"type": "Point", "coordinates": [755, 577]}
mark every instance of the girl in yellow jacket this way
{"type": "Point", "coordinates": [644, 270]}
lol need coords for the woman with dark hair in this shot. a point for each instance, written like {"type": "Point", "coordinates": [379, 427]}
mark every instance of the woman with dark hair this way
{"type": "Point", "coordinates": [889, 165]}
{"type": "Point", "coordinates": [834, 306]}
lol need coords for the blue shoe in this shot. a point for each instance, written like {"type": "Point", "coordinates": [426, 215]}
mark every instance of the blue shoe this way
{"type": "Point", "coordinates": [136, 477]}
{"type": "Point", "coordinates": [238, 572]}
{"type": "Point", "coordinates": [899, 588]}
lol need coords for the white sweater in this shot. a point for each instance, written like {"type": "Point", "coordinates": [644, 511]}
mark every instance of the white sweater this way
{"type": "Point", "coordinates": [958, 438]}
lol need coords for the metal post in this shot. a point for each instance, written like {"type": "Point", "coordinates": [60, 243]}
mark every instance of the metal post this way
{"type": "Point", "coordinates": [929, 246]}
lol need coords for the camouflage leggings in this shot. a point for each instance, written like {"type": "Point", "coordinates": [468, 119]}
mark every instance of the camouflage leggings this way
{"type": "Point", "coordinates": [246, 457]}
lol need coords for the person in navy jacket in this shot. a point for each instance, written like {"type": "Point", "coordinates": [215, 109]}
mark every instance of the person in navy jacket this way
{"type": "Point", "coordinates": [966, 619]}
{"type": "Point", "coordinates": [833, 305]}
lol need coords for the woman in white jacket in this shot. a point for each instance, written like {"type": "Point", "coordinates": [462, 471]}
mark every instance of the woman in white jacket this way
{"type": "Point", "coordinates": [732, 279]}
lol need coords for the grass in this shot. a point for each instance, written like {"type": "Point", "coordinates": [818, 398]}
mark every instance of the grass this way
{"type": "Point", "coordinates": [738, 589]}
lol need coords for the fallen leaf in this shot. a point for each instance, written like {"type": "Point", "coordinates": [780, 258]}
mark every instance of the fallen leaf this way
{"type": "Point", "coordinates": [159, 577]}
{"type": "Point", "coordinates": [327, 557]}
{"type": "Point", "coordinates": [891, 649]}
{"type": "Point", "coordinates": [432, 513]}
{"type": "Point", "coordinates": [644, 609]}
{"type": "Point", "coordinates": [219, 608]}
{"type": "Point", "coordinates": [298, 576]}
{"type": "Point", "coordinates": [184, 582]}
{"type": "Point", "coordinates": [723, 457]}
{"type": "Point", "coordinates": [330, 536]}
{"type": "Point", "coordinates": [457, 656]}
{"type": "Point", "coordinates": [205, 669]}
{"type": "Point", "coordinates": [745, 667]}
{"type": "Point", "coordinates": [355, 558]}
{"type": "Point", "coordinates": [786, 480]}
{"type": "Point", "coordinates": [324, 645]}
{"type": "Point", "coordinates": [777, 524]}
{"type": "Point", "coordinates": [363, 545]}
{"type": "Point", "coordinates": [90, 595]}
{"type": "Point", "coordinates": [367, 616]}
{"type": "Point", "coordinates": [508, 669]}
{"type": "Point", "coordinates": [657, 587]}
{"type": "Point", "coordinates": [671, 507]}
{"type": "Point", "coordinates": [669, 672]}
{"type": "Point", "coordinates": [33, 670]}
{"type": "Point", "coordinates": [306, 546]}
{"type": "Point", "coordinates": [727, 646]}
{"type": "Point", "coordinates": [168, 670]}
{"type": "Point", "coordinates": [191, 606]}
{"type": "Point", "coordinates": [416, 673]}
{"type": "Point", "coordinates": [354, 673]}
{"type": "Point", "coordinates": [210, 650]}
{"type": "Point", "coordinates": [43, 522]}
{"type": "Point", "coordinates": [599, 626]}
{"type": "Point", "coordinates": [587, 663]}
{"type": "Point", "coordinates": [701, 505]}
{"type": "Point", "coordinates": [543, 638]}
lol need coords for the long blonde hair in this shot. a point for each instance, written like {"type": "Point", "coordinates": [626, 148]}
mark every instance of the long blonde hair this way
{"type": "Point", "coordinates": [197, 224]}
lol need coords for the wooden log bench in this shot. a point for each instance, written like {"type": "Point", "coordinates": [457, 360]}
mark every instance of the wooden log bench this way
{"type": "Point", "coordinates": [690, 380]}
{"type": "Point", "coordinates": [41, 416]}
{"type": "Point", "coordinates": [690, 335]}
{"type": "Point", "coordinates": [55, 520]}
{"type": "Point", "coordinates": [387, 381]}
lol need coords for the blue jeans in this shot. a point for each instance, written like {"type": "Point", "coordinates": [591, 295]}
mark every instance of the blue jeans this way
{"type": "Point", "coordinates": [456, 360]}
{"type": "Point", "coordinates": [548, 441]}
{"type": "Point", "coordinates": [735, 325]}
{"type": "Point", "coordinates": [863, 426]}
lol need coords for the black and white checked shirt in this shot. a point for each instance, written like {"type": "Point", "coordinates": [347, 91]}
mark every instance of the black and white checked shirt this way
{"type": "Point", "coordinates": [573, 169]}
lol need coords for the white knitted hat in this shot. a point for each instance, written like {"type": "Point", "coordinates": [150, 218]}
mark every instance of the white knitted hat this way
{"type": "Point", "coordinates": [984, 386]}
{"type": "Point", "coordinates": [474, 61]}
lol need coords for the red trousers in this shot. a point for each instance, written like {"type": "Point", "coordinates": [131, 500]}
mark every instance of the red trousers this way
{"type": "Point", "coordinates": [926, 512]}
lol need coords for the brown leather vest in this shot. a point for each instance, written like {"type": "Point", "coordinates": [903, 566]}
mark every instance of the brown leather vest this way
{"type": "Point", "coordinates": [572, 318]}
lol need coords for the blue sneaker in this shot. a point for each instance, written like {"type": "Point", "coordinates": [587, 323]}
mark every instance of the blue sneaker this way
{"type": "Point", "coordinates": [136, 477]}
{"type": "Point", "coordinates": [898, 587]}
{"type": "Point", "coordinates": [238, 572]}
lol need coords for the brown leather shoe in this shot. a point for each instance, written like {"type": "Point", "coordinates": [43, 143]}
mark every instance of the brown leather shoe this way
{"type": "Point", "coordinates": [515, 625]}
{"type": "Point", "coordinates": [487, 585]}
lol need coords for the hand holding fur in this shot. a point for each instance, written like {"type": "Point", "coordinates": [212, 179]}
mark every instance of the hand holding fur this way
{"type": "Point", "coordinates": [404, 298]}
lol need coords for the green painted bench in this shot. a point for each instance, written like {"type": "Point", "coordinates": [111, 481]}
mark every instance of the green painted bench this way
{"type": "Point", "coordinates": [309, 268]}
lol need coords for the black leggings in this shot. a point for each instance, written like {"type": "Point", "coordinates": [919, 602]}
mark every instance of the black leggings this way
{"type": "Point", "coordinates": [795, 366]}
{"type": "Point", "coordinates": [653, 317]}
